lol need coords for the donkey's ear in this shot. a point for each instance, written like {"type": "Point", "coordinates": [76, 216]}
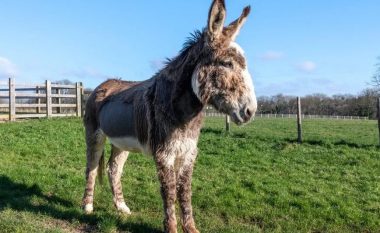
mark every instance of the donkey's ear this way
{"type": "Point", "coordinates": [233, 29]}
{"type": "Point", "coordinates": [216, 17]}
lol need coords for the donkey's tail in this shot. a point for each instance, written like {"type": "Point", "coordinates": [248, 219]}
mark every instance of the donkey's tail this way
{"type": "Point", "coordinates": [101, 168]}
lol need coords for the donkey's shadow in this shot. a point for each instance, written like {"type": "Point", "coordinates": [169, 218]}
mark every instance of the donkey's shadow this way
{"type": "Point", "coordinates": [18, 196]}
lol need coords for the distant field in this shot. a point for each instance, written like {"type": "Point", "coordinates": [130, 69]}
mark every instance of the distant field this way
{"type": "Point", "coordinates": [256, 179]}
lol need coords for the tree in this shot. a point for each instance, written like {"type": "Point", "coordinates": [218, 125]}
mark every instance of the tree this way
{"type": "Point", "coordinates": [65, 82]}
{"type": "Point", "coordinates": [64, 91]}
{"type": "Point", "coordinates": [376, 77]}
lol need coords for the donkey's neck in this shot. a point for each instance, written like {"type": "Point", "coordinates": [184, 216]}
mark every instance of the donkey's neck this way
{"type": "Point", "coordinates": [182, 102]}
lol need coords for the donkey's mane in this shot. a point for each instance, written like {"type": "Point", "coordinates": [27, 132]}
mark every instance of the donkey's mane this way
{"type": "Point", "coordinates": [191, 43]}
{"type": "Point", "coordinates": [172, 84]}
{"type": "Point", "coordinates": [186, 47]}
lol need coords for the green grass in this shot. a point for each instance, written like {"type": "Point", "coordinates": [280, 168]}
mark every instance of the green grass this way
{"type": "Point", "coordinates": [255, 179]}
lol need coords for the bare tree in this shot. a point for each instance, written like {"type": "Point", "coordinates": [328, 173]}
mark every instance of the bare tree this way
{"type": "Point", "coordinates": [64, 91]}
{"type": "Point", "coordinates": [376, 77]}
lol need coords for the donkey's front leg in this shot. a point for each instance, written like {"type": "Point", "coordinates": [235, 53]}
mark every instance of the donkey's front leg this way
{"type": "Point", "coordinates": [184, 193]}
{"type": "Point", "coordinates": [166, 175]}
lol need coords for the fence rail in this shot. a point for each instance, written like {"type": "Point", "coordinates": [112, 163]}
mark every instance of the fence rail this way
{"type": "Point", "coordinates": [39, 100]}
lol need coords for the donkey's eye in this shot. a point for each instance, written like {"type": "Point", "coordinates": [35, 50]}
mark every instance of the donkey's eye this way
{"type": "Point", "coordinates": [227, 64]}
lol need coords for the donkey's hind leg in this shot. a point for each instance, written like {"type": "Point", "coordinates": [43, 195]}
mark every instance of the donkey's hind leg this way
{"type": "Point", "coordinates": [115, 170]}
{"type": "Point", "coordinates": [95, 151]}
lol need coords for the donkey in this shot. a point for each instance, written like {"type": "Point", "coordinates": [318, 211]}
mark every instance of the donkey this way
{"type": "Point", "coordinates": [162, 116]}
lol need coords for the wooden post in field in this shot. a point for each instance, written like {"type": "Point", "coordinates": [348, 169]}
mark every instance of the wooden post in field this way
{"type": "Point", "coordinates": [12, 99]}
{"type": "Point", "coordinates": [299, 120]}
{"type": "Point", "coordinates": [228, 123]}
{"type": "Point", "coordinates": [378, 116]}
{"type": "Point", "coordinates": [79, 99]}
{"type": "Point", "coordinates": [49, 110]}
{"type": "Point", "coordinates": [38, 109]}
{"type": "Point", "coordinates": [82, 98]}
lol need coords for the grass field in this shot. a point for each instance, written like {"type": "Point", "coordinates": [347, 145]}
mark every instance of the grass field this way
{"type": "Point", "coordinates": [256, 179]}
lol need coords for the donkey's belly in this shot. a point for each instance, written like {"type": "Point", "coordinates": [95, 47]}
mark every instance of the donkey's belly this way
{"type": "Point", "coordinates": [128, 144]}
{"type": "Point", "coordinates": [117, 121]}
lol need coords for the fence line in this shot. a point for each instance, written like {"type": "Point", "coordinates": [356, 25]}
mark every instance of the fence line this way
{"type": "Point", "coordinates": [292, 116]}
{"type": "Point", "coordinates": [37, 96]}
{"type": "Point", "coordinates": [210, 112]}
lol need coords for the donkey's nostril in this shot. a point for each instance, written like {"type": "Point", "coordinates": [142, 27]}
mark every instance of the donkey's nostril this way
{"type": "Point", "coordinates": [248, 113]}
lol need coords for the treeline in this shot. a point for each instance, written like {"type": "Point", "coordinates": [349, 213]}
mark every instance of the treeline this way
{"type": "Point", "coordinates": [363, 104]}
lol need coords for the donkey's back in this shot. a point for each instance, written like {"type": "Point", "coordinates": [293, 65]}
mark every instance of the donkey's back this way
{"type": "Point", "coordinates": [102, 93]}
{"type": "Point", "coordinates": [110, 91]}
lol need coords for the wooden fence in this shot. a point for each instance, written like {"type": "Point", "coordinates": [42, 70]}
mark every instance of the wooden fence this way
{"type": "Point", "coordinates": [39, 100]}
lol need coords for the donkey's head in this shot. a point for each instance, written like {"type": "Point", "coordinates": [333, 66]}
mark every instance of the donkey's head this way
{"type": "Point", "coordinates": [221, 77]}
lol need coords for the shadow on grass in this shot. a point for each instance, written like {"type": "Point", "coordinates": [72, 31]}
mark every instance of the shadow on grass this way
{"type": "Point", "coordinates": [336, 143]}
{"type": "Point", "coordinates": [207, 130]}
{"type": "Point", "coordinates": [19, 197]}
{"type": "Point", "coordinates": [223, 132]}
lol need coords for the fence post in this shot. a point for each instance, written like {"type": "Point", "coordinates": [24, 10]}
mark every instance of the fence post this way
{"type": "Point", "coordinates": [299, 121]}
{"type": "Point", "coordinates": [49, 110]}
{"type": "Point", "coordinates": [79, 99]}
{"type": "Point", "coordinates": [82, 98]}
{"type": "Point", "coordinates": [12, 99]}
{"type": "Point", "coordinates": [378, 116]}
{"type": "Point", "coordinates": [38, 109]}
{"type": "Point", "coordinates": [228, 123]}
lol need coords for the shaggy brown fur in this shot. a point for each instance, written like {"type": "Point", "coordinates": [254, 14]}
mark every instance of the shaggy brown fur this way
{"type": "Point", "coordinates": [162, 116]}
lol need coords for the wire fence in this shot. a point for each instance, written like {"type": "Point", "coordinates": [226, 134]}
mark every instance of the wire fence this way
{"type": "Point", "coordinates": [210, 112]}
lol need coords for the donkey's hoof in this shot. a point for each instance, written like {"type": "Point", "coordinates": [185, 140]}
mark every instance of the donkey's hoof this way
{"type": "Point", "coordinates": [88, 208]}
{"type": "Point", "coordinates": [190, 229]}
{"type": "Point", "coordinates": [122, 207]}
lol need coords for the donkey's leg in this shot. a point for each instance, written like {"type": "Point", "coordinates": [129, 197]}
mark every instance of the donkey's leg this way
{"type": "Point", "coordinates": [167, 177]}
{"type": "Point", "coordinates": [95, 150]}
{"type": "Point", "coordinates": [184, 192]}
{"type": "Point", "coordinates": [115, 170]}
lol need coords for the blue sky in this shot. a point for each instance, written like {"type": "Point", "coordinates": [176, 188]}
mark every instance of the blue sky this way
{"type": "Point", "coordinates": [293, 47]}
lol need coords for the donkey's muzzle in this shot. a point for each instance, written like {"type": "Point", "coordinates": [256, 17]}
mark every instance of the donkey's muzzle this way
{"type": "Point", "coordinates": [243, 115]}
{"type": "Point", "coordinates": [247, 113]}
